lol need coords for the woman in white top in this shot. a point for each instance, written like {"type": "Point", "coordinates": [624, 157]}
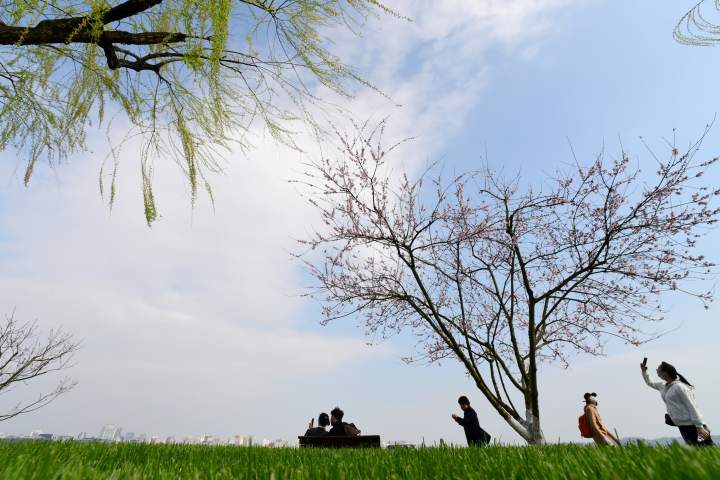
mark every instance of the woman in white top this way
{"type": "Point", "coordinates": [677, 393]}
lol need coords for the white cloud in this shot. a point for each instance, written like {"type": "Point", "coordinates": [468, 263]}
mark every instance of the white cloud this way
{"type": "Point", "coordinates": [436, 65]}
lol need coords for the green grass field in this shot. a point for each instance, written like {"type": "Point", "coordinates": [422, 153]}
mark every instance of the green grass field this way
{"type": "Point", "coordinates": [44, 461]}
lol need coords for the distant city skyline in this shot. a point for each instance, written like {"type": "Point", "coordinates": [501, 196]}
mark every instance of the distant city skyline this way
{"type": "Point", "coordinates": [114, 434]}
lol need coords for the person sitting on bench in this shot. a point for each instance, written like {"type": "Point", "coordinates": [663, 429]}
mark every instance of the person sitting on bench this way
{"type": "Point", "coordinates": [340, 428]}
{"type": "Point", "coordinates": [319, 431]}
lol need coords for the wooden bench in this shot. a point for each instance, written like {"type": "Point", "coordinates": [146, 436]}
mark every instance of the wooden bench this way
{"type": "Point", "coordinates": [359, 441]}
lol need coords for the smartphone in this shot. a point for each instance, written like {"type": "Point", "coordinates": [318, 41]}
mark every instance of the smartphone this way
{"type": "Point", "coordinates": [645, 362]}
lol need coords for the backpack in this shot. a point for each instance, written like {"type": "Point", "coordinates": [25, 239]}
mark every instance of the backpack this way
{"type": "Point", "coordinates": [485, 437]}
{"type": "Point", "coordinates": [584, 426]}
{"type": "Point", "coordinates": [351, 430]}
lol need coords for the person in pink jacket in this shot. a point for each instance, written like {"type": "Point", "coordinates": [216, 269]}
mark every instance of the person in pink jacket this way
{"type": "Point", "coordinates": [600, 432]}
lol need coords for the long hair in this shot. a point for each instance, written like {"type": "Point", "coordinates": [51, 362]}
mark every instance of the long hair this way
{"type": "Point", "coordinates": [672, 371]}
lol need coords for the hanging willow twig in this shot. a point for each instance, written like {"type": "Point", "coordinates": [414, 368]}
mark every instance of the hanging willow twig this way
{"type": "Point", "coordinates": [190, 77]}
{"type": "Point", "coordinates": [700, 25]}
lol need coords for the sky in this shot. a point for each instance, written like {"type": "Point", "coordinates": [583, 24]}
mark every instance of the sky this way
{"type": "Point", "coordinates": [197, 325]}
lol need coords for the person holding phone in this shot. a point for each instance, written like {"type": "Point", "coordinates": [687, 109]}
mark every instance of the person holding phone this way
{"type": "Point", "coordinates": [319, 431]}
{"type": "Point", "coordinates": [679, 398]}
{"type": "Point", "coordinates": [474, 434]}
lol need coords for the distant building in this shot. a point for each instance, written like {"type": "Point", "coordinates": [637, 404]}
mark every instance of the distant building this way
{"type": "Point", "coordinates": [111, 433]}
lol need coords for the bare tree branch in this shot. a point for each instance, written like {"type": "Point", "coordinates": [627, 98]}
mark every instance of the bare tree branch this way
{"type": "Point", "coordinates": [26, 355]}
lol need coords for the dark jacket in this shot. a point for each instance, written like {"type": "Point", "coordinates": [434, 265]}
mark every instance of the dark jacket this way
{"type": "Point", "coordinates": [473, 433]}
{"type": "Point", "coordinates": [340, 430]}
{"type": "Point", "coordinates": [316, 432]}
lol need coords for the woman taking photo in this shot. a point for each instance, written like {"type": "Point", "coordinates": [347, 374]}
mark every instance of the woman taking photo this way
{"type": "Point", "coordinates": [678, 395]}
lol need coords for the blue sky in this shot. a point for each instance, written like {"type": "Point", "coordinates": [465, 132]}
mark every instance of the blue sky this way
{"type": "Point", "coordinates": [195, 326]}
{"type": "Point", "coordinates": [606, 72]}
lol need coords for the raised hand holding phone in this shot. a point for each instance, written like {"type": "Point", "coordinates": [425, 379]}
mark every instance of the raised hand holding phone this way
{"type": "Point", "coordinates": [643, 365]}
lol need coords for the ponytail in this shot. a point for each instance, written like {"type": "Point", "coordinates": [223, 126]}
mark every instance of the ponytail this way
{"type": "Point", "coordinates": [684, 380]}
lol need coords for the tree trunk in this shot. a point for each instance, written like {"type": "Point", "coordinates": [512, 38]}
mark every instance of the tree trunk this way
{"type": "Point", "coordinates": [535, 434]}
{"type": "Point", "coordinates": [529, 429]}
{"type": "Point", "coordinates": [532, 413]}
